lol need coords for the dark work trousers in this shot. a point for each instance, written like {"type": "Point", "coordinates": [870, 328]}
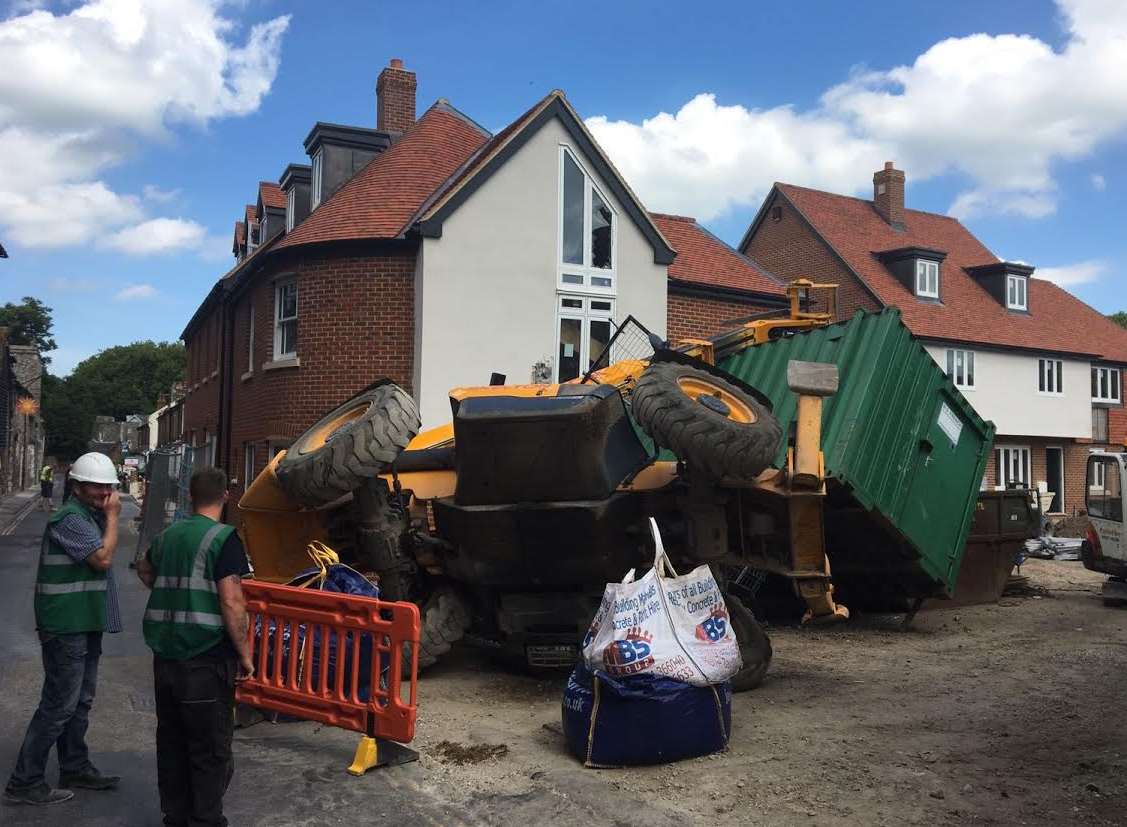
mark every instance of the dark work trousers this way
{"type": "Point", "coordinates": [195, 702]}
{"type": "Point", "coordinates": [70, 678]}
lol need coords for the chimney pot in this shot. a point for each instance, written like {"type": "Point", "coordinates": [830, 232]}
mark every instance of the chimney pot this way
{"type": "Point", "coordinates": [887, 164]}
{"type": "Point", "coordinates": [888, 194]}
{"type": "Point", "coordinates": [395, 98]}
{"type": "Point", "coordinates": [396, 63]}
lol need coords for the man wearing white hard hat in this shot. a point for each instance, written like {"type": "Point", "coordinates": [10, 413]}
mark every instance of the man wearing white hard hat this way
{"type": "Point", "coordinates": [75, 602]}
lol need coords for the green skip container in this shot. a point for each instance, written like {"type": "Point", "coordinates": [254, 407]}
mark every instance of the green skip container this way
{"type": "Point", "coordinates": [905, 454]}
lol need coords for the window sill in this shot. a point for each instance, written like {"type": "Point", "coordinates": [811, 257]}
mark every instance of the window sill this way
{"type": "Point", "coordinates": [965, 388]}
{"type": "Point", "coordinates": [248, 375]}
{"type": "Point", "coordinates": [278, 364]}
{"type": "Point", "coordinates": [1106, 403]}
{"type": "Point", "coordinates": [1051, 394]}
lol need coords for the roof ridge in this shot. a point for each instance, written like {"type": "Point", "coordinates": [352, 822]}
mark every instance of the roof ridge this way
{"type": "Point", "coordinates": [674, 216]}
{"type": "Point", "coordinates": [868, 201]}
{"type": "Point", "coordinates": [444, 105]}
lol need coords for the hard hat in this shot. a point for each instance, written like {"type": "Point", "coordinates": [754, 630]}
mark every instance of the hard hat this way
{"type": "Point", "coordinates": [93, 467]}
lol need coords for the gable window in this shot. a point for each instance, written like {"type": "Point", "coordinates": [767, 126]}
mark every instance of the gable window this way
{"type": "Point", "coordinates": [960, 368]}
{"type": "Point", "coordinates": [1105, 385]}
{"type": "Point", "coordinates": [285, 320]}
{"type": "Point", "coordinates": [1017, 295]}
{"type": "Point", "coordinates": [587, 231]}
{"type": "Point", "coordinates": [1051, 377]}
{"type": "Point", "coordinates": [927, 278]}
{"type": "Point", "coordinates": [584, 328]}
{"type": "Point", "coordinates": [291, 206]}
{"type": "Point", "coordinates": [250, 339]}
{"type": "Point", "coordinates": [315, 175]}
{"type": "Point", "coordinates": [1011, 466]}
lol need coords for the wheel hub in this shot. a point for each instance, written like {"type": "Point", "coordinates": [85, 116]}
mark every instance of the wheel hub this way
{"type": "Point", "coordinates": [714, 403]}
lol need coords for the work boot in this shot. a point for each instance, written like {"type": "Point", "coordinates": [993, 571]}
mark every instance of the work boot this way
{"type": "Point", "coordinates": [89, 779]}
{"type": "Point", "coordinates": [41, 794]}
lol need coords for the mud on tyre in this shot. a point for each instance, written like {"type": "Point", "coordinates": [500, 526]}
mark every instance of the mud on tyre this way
{"type": "Point", "coordinates": [355, 442]}
{"type": "Point", "coordinates": [710, 424]}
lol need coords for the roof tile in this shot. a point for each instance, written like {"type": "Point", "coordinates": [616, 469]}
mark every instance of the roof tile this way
{"type": "Point", "coordinates": [704, 259]}
{"type": "Point", "coordinates": [271, 195]}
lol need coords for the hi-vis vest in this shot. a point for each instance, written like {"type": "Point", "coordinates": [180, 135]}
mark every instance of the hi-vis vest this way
{"type": "Point", "coordinates": [183, 618]}
{"type": "Point", "coordinates": [69, 597]}
{"type": "Point", "coordinates": [47, 474]}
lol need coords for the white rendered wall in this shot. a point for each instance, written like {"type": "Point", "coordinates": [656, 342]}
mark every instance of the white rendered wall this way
{"type": "Point", "coordinates": [485, 292]}
{"type": "Point", "coordinates": [1006, 391]}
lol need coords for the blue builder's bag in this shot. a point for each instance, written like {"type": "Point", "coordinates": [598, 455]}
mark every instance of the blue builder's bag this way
{"type": "Point", "coordinates": [331, 576]}
{"type": "Point", "coordinates": [643, 719]}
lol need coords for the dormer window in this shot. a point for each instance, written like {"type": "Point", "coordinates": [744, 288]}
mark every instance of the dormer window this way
{"type": "Point", "coordinates": [264, 232]}
{"type": "Point", "coordinates": [1017, 292]}
{"type": "Point", "coordinates": [927, 279]}
{"type": "Point", "coordinates": [315, 190]}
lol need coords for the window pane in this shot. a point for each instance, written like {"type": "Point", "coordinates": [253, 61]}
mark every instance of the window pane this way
{"type": "Point", "coordinates": [1060, 377]}
{"type": "Point", "coordinates": [572, 218]}
{"type": "Point", "coordinates": [600, 281]}
{"type": "Point", "coordinates": [600, 335]}
{"type": "Point", "coordinates": [1114, 383]}
{"type": "Point", "coordinates": [570, 332]}
{"type": "Point", "coordinates": [600, 232]}
{"type": "Point", "coordinates": [951, 365]}
{"type": "Point", "coordinates": [576, 303]}
{"type": "Point", "coordinates": [970, 369]}
{"type": "Point", "coordinates": [960, 374]}
{"type": "Point", "coordinates": [289, 336]}
{"type": "Point", "coordinates": [998, 466]}
{"type": "Point", "coordinates": [1095, 386]}
{"type": "Point", "coordinates": [572, 278]}
{"type": "Point", "coordinates": [1103, 383]}
{"type": "Point", "coordinates": [597, 305]}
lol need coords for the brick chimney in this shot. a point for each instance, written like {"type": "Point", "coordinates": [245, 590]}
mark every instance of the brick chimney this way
{"type": "Point", "coordinates": [395, 98]}
{"type": "Point", "coordinates": [888, 194]}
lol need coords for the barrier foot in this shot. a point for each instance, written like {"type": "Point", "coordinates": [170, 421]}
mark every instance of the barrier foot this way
{"type": "Point", "coordinates": [367, 756]}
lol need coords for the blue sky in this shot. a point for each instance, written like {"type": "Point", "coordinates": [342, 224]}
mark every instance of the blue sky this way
{"type": "Point", "coordinates": [128, 148]}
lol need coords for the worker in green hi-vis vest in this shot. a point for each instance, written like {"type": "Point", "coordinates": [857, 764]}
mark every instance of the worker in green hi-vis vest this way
{"type": "Point", "coordinates": [75, 602]}
{"type": "Point", "coordinates": [196, 625]}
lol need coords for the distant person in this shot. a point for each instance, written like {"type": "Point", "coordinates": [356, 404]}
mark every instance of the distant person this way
{"type": "Point", "coordinates": [75, 602]}
{"type": "Point", "coordinates": [196, 624]}
{"type": "Point", "coordinates": [46, 486]}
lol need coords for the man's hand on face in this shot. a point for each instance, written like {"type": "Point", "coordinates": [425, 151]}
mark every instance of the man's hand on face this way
{"type": "Point", "coordinates": [112, 503]}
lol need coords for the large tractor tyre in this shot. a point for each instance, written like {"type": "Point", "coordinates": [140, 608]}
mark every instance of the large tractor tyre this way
{"type": "Point", "coordinates": [755, 646]}
{"type": "Point", "coordinates": [444, 618]}
{"type": "Point", "coordinates": [710, 424]}
{"type": "Point", "coordinates": [354, 443]}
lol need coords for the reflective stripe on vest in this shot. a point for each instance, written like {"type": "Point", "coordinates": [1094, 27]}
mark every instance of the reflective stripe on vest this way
{"type": "Point", "coordinates": [178, 616]}
{"type": "Point", "coordinates": [70, 595]}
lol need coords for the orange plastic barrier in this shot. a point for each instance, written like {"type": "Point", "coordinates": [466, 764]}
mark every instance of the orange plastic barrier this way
{"type": "Point", "coordinates": [289, 678]}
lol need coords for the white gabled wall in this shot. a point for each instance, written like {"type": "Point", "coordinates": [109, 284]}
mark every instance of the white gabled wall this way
{"type": "Point", "coordinates": [1006, 391]}
{"type": "Point", "coordinates": [486, 294]}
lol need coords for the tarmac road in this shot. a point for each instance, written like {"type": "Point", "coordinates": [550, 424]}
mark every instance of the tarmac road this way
{"type": "Point", "coordinates": [285, 775]}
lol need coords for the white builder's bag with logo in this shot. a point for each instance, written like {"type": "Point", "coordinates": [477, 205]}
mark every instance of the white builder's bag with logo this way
{"type": "Point", "coordinates": [664, 625]}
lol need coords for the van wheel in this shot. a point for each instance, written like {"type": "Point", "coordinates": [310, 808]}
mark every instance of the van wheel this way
{"type": "Point", "coordinates": [755, 646]}
{"type": "Point", "coordinates": [710, 424]}
{"type": "Point", "coordinates": [353, 443]}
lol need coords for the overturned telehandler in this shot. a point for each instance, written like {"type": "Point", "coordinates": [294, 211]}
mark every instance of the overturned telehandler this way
{"type": "Point", "coordinates": [504, 525]}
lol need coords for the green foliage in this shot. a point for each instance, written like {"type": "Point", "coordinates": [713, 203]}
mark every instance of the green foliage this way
{"type": "Point", "coordinates": [29, 323]}
{"type": "Point", "coordinates": [1119, 318]}
{"type": "Point", "coordinates": [115, 382]}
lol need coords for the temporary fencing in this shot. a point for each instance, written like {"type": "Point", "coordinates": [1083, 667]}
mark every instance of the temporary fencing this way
{"type": "Point", "coordinates": [334, 658]}
{"type": "Point", "coordinates": [167, 471]}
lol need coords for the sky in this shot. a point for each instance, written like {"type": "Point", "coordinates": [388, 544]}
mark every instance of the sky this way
{"type": "Point", "coordinates": [132, 133]}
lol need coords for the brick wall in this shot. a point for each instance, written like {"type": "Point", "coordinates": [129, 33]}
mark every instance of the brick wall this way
{"type": "Point", "coordinates": [1075, 464]}
{"type": "Point", "coordinates": [692, 317]}
{"type": "Point", "coordinates": [789, 249]}
{"type": "Point", "coordinates": [201, 402]}
{"type": "Point", "coordinates": [355, 325]}
{"type": "Point", "coordinates": [1117, 423]}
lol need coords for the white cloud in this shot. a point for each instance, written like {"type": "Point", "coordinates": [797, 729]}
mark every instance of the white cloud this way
{"type": "Point", "coordinates": [1069, 275]}
{"type": "Point", "coordinates": [997, 109]}
{"type": "Point", "coordinates": [150, 192]}
{"type": "Point", "coordinates": [158, 235]}
{"type": "Point", "coordinates": [134, 292]}
{"type": "Point", "coordinates": [71, 285]}
{"type": "Point", "coordinates": [80, 89]}
{"type": "Point", "coordinates": [1098, 182]}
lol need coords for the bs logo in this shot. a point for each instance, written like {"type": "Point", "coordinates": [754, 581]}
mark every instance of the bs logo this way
{"type": "Point", "coordinates": [630, 655]}
{"type": "Point", "coordinates": [713, 627]}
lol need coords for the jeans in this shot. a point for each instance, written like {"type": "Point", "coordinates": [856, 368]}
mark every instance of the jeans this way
{"type": "Point", "coordinates": [195, 702]}
{"type": "Point", "coordinates": [70, 678]}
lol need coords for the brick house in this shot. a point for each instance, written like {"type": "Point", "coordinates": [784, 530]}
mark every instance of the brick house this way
{"type": "Point", "coordinates": [433, 253]}
{"type": "Point", "coordinates": [1044, 366]}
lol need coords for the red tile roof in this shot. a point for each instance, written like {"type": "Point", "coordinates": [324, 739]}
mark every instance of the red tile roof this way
{"type": "Point", "coordinates": [240, 234]}
{"type": "Point", "coordinates": [704, 259]}
{"type": "Point", "coordinates": [271, 195]}
{"type": "Point", "coordinates": [1057, 320]}
{"type": "Point", "coordinates": [382, 198]}
{"type": "Point", "coordinates": [250, 214]}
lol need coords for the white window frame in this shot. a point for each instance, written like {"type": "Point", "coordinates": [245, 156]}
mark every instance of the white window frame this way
{"type": "Point", "coordinates": [279, 319]}
{"type": "Point", "coordinates": [927, 272]}
{"type": "Point", "coordinates": [1017, 292]}
{"type": "Point", "coordinates": [248, 464]}
{"type": "Point", "coordinates": [291, 208]}
{"type": "Point", "coordinates": [1103, 377]}
{"type": "Point", "coordinates": [315, 176]}
{"type": "Point", "coordinates": [1049, 377]}
{"type": "Point", "coordinates": [962, 374]}
{"type": "Point", "coordinates": [584, 315]}
{"type": "Point", "coordinates": [1006, 457]}
{"type": "Point", "coordinates": [262, 228]}
{"type": "Point", "coordinates": [250, 340]}
{"type": "Point", "coordinates": [251, 243]}
{"type": "Point", "coordinates": [585, 271]}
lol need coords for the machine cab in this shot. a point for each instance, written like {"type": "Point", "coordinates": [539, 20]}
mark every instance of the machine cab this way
{"type": "Point", "coordinates": [1104, 548]}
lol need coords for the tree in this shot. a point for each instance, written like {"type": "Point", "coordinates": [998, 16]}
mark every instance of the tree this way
{"type": "Point", "coordinates": [1119, 318]}
{"type": "Point", "coordinates": [29, 323]}
{"type": "Point", "coordinates": [115, 382]}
